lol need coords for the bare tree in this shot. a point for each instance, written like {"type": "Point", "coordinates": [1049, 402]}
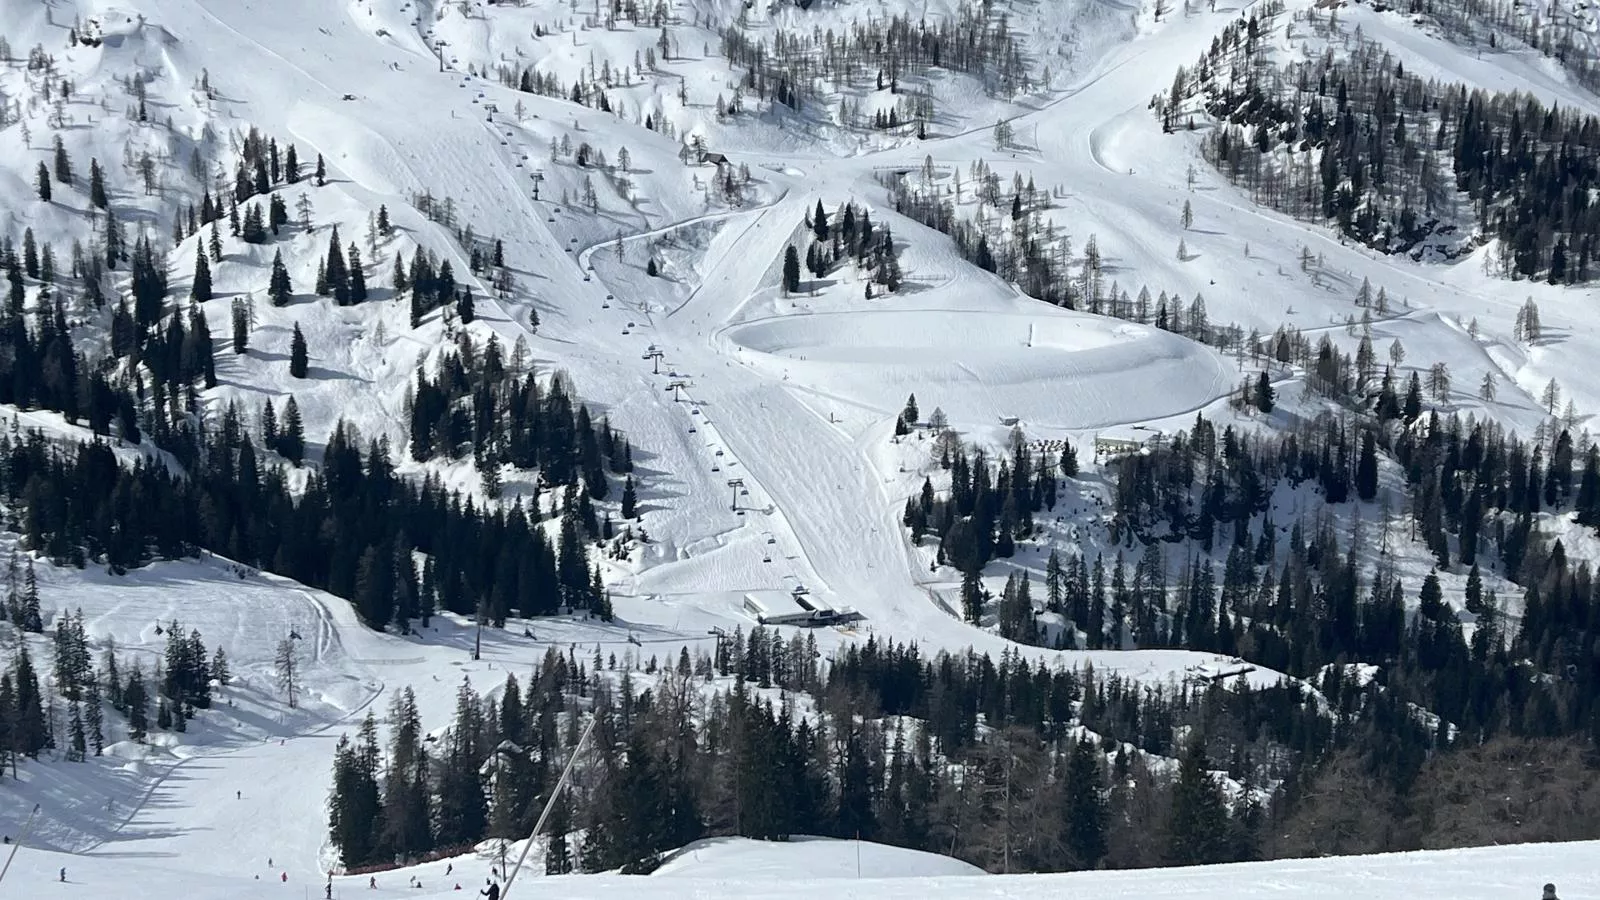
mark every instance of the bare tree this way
{"type": "Point", "coordinates": [288, 669]}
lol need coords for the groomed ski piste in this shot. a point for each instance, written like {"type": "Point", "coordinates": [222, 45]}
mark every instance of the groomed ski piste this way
{"type": "Point", "coordinates": [794, 395]}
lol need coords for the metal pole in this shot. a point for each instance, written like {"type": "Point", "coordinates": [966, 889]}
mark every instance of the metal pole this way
{"type": "Point", "coordinates": [549, 805]}
{"type": "Point", "coordinates": [27, 829]}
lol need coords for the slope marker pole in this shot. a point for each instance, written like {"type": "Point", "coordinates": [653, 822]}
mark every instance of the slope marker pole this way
{"type": "Point", "coordinates": [27, 829]}
{"type": "Point", "coordinates": [549, 805]}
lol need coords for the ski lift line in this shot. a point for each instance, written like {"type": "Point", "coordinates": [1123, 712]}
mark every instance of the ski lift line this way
{"type": "Point", "coordinates": [566, 775]}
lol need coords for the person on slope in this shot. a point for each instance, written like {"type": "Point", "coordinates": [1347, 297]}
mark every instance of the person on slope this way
{"type": "Point", "coordinates": [64, 875]}
{"type": "Point", "coordinates": [1550, 893]}
{"type": "Point", "coordinates": [492, 891]}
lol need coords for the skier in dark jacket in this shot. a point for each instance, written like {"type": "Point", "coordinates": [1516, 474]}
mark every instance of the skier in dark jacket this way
{"type": "Point", "coordinates": [1550, 892]}
{"type": "Point", "coordinates": [492, 891]}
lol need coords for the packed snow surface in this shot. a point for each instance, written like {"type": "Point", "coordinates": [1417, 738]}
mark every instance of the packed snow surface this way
{"type": "Point", "coordinates": [803, 869]}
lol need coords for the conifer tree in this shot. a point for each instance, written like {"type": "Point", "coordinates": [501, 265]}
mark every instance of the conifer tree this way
{"type": "Point", "coordinates": [630, 499]}
{"type": "Point", "coordinates": [791, 270]}
{"type": "Point", "coordinates": [241, 326]}
{"type": "Point", "coordinates": [136, 701]}
{"type": "Point", "coordinates": [1367, 468]}
{"type": "Point", "coordinates": [1265, 394]}
{"type": "Point", "coordinates": [278, 287]}
{"type": "Point", "coordinates": [200, 287]}
{"type": "Point", "coordinates": [97, 186]}
{"type": "Point", "coordinates": [93, 716]}
{"type": "Point", "coordinates": [291, 434]}
{"type": "Point", "coordinates": [29, 731]}
{"type": "Point", "coordinates": [219, 667]}
{"type": "Point", "coordinates": [41, 182]}
{"type": "Point", "coordinates": [1085, 807]}
{"type": "Point", "coordinates": [299, 361]}
{"type": "Point", "coordinates": [1197, 831]}
{"type": "Point", "coordinates": [358, 278]}
{"type": "Point", "coordinates": [63, 162]}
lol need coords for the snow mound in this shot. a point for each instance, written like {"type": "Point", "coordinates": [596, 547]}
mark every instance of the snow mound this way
{"type": "Point", "coordinates": [814, 857]}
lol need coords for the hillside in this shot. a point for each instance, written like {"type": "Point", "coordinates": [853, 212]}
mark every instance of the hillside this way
{"type": "Point", "coordinates": [1044, 435]}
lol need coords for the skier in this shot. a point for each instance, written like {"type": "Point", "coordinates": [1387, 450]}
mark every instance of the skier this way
{"type": "Point", "coordinates": [284, 877]}
{"type": "Point", "coordinates": [1550, 892]}
{"type": "Point", "coordinates": [327, 891]}
{"type": "Point", "coordinates": [372, 883]}
{"type": "Point", "coordinates": [492, 891]}
{"type": "Point", "coordinates": [64, 878]}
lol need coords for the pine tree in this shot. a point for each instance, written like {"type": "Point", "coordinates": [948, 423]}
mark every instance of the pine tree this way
{"type": "Point", "coordinates": [29, 732]}
{"type": "Point", "coordinates": [97, 186]}
{"type": "Point", "coordinates": [77, 739]}
{"type": "Point", "coordinates": [322, 170]}
{"type": "Point", "coordinates": [1197, 831]}
{"type": "Point", "coordinates": [291, 435]}
{"type": "Point", "coordinates": [200, 288]}
{"type": "Point", "coordinates": [791, 270]}
{"type": "Point", "coordinates": [278, 287]}
{"type": "Point", "coordinates": [136, 700]}
{"type": "Point", "coordinates": [1264, 393]}
{"type": "Point", "coordinates": [1084, 805]}
{"type": "Point", "coordinates": [358, 278]}
{"type": "Point", "coordinates": [241, 326]}
{"type": "Point", "coordinates": [630, 499]}
{"type": "Point", "coordinates": [335, 272]}
{"type": "Point", "coordinates": [42, 182]}
{"type": "Point", "coordinates": [299, 362]}
{"type": "Point", "coordinates": [32, 617]}
{"type": "Point", "coordinates": [63, 162]}
{"type": "Point", "coordinates": [216, 243]}
{"type": "Point", "coordinates": [1367, 468]}
{"type": "Point", "coordinates": [219, 667]}
{"type": "Point", "coordinates": [93, 717]}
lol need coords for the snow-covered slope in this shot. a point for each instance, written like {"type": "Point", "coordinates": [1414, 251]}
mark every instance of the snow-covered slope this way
{"type": "Point", "coordinates": [795, 395]}
{"type": "Point", "coordinates": [797, 871]}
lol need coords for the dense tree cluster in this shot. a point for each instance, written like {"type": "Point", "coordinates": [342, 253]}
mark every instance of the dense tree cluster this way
{"type": "Point", "coordinates": [1391, 158]}
{"type": "Point", "coordinates": [480, 402]}
{"type": "Point", "coordinates": [1011, 765]}
{"type": "Point", "coordinates": [796, 67]}
{"type": "Point", "coordinates": [1021, 245]}
{"type": "Point", "coordinates": [848, 233]}
{"type": "Point", "coordinates": [1552, 31]}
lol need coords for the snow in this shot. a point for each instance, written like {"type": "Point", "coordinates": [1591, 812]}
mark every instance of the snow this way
{"type": "Point", "coordinates": [741, 859]}
{"type": "Point", "coordinates": [794, 395]}
{"type": "Point", "coordinates": [802, 868]}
